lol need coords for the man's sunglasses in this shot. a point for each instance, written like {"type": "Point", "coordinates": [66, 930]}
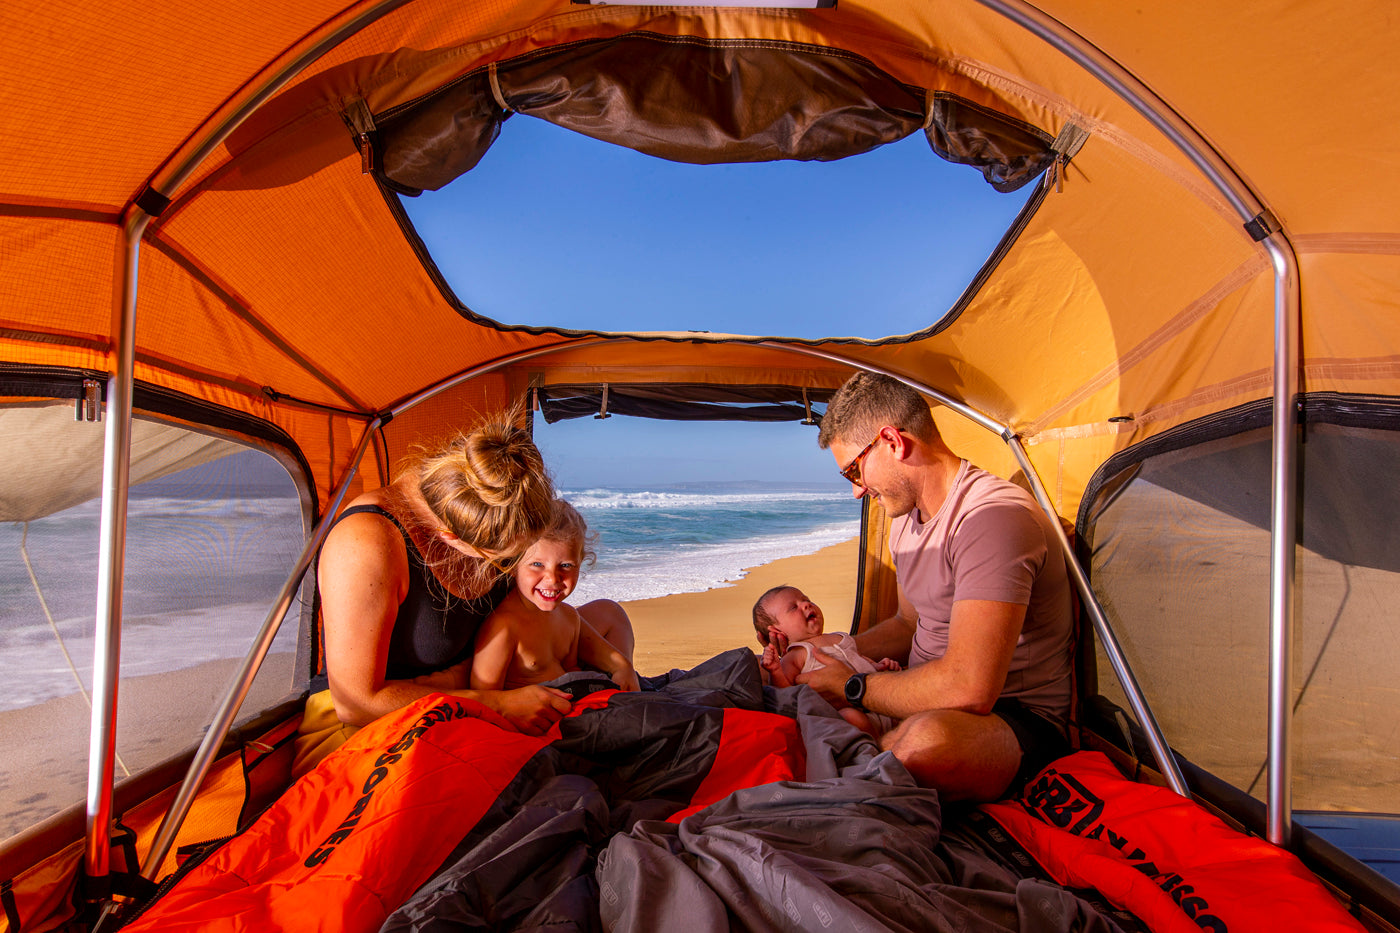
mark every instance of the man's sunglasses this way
{"type": "Point", "coordinates": [851, 471]}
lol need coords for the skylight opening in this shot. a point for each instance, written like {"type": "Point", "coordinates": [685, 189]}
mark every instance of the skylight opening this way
{"type": "Point", "coordinates": [553, 228]}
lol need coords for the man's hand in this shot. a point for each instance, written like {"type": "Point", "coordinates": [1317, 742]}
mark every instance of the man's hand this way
{"type": "Point", "coordinates": [533, 710]}
{"type": "Point", "coordinates": [829, 681]}
{"type": "Point", "coordinates": [778, 639]}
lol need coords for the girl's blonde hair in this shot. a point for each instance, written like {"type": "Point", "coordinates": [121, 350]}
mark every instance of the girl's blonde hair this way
{"type": "Point", "coordinates": [567, 527]}
{"type": "Point", "coordinates": [489, 486]}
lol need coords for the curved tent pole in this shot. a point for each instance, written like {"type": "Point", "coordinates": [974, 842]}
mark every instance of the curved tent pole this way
{"type": "Point", "coordinates": [116, 469]}
{"type": "Point", "coordinates": [499, 363]}
{"type": "Point", "coordinates": [116, 463]}
{"type": "Point", "coordinates": [223, 718]}
{"type": "Point", "coordinates": [238, 690]}
{"type": "Point", "coordinates": [1161, 751]}
{"type": "Point", "coordinates": [1264, 228]}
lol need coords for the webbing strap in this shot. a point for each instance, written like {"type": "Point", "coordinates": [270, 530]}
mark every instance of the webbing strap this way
{"type": "Point", "coordinates": [7, 900]}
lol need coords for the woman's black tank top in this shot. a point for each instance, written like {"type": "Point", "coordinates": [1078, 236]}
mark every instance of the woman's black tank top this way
{"type": "Point", "coordinates": [433, 629]}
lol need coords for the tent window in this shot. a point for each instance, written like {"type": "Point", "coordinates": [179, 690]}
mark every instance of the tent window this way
{"type": "Point", "coordinates": [698, 101]}
{"type": "Point", "coordinates": [213, 527]}
{"type": "Point", "coordinates": [1180, 556]}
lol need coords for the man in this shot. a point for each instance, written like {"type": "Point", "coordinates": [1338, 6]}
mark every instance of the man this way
{"type": "Point", "coordinates": [984, 619]}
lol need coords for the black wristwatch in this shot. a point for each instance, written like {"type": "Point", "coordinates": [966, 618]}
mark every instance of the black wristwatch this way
{"type": "Point", "coordinates": [855, 691]}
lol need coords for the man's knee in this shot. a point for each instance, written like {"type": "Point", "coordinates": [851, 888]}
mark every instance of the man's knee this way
{"type": "Point", "coordinates": [961, 754]}
{"type": "Point", "coordinates": [924, 743]}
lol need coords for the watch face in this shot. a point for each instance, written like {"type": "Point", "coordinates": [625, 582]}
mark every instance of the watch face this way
{"type": "Point", "coordinates": [855, 689]}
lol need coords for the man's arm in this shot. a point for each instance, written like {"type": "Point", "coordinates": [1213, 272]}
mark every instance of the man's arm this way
{"type": "Point", "coordinates": [892, 637]}
{"type": "Point", "coordinates": [981, 639]}
{"type": "Point", "coordinates": [888, 638]}
{"type": "Point", "coordinates": [971, 674]}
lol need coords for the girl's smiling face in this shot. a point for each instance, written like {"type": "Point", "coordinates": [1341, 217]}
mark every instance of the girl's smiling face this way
{"type": "Point", "coordinates": [548, 572]}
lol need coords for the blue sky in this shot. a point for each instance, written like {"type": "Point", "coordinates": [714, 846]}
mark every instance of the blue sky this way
{"type": "Point", "coordinates": [555, 228]}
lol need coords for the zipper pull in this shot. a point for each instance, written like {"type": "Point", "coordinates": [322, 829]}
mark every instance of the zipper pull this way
{"type": "Point", "coordinates": [361, 123]}
{"type": "Point", "coordinates": [1065, 146]}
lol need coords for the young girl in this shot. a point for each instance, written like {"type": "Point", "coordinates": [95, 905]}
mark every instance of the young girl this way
{"type": "Point", "coordinates": [533, 637]}
{"type": "Point", "coordinates": [787, 611]}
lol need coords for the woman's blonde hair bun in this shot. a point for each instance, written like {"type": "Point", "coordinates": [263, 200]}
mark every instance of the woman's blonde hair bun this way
{"type": "Point", "coordinates": [489, 486]}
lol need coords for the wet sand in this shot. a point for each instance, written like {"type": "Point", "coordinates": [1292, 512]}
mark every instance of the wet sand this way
{"type": "Point", "coordinates": [44, 757]}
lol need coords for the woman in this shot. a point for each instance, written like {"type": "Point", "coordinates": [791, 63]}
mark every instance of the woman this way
{"type": "Point", "coordinates": [409, 571]}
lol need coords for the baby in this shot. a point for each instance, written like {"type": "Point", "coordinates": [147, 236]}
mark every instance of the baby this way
{"type": "Point", "coordinates": [533, 637]}
{"type": "Point", "coordinates": [785, 610]}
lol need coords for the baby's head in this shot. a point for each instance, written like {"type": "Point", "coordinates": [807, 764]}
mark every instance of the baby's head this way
{"type": "Point", "coordinates": [790, 610]}
{"type": "Point", "coordinates": [548, 570]}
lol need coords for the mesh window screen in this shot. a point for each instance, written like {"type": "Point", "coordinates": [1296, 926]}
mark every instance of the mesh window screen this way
{"type": "Point", "coordinates": [208, 549]}
{"type": "Point", "coordinates": [1181, 562]}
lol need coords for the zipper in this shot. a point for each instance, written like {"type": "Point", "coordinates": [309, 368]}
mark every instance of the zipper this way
{"type": "Point", "coordinates": [361, 123]}
{"type": "Point", "coordinates": [1065, 146]}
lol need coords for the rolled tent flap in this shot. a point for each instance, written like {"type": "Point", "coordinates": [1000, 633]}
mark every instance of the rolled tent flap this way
{"type": "Point", "coordinates": [52, 462]}
{"type": "Point", "coordinates": [699, 101]}
{"type": "Point", "coordinates": [687, 402]}
{"type": "Point", "coordinates": [1006, 151]}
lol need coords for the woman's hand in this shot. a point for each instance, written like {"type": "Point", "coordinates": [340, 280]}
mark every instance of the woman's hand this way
{"type": "Point", "coordinates": [532, 710]}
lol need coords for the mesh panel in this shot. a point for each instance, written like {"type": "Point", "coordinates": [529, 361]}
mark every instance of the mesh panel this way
{"type": "Point", "coordinates": [1181, 562]}
{"type": "Point", "coordinates": [208, 549]}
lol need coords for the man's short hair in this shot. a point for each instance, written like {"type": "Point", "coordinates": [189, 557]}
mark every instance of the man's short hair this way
{"type": "Point", "coordinates": [869, 401]}
{"type": "Point", "coordinates": [762, 618]}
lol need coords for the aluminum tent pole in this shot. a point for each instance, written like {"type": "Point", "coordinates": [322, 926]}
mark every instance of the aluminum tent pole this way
{"type": "Point", "coordinates": [116, 464]}
{"type": "Point", "coordinates": [238, 690]}
{"type": "Point", "coordinates": [438, 388]}
{"type": "Point", "coordinates": [1161, 751]}
{"type": "Point", "coordinates": [1260, 224]}
{"type": "Point", "coordinates": [1283, 543]}
{"type": "Point", "coordinates": [116, 480]}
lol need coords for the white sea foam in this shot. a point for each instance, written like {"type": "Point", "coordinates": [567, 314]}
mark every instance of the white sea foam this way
{"type": "Point", "coordinates": [34, 669]}
{"type": "Point", "coordinates": [694, 568]}
{"type": "Point", "coordinates": [645, 499]}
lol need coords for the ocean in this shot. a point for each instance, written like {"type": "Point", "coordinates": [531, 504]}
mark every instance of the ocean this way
{"type": "Point", "coordinates": [202, 572]}
{"type": "Point", "coordinates": [691, 538]}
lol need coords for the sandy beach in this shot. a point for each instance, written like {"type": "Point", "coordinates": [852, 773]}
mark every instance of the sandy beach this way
{"type": "Point", "coordinates": [43, 766]}
{"type": "Point", "coordinates": [686, 628]}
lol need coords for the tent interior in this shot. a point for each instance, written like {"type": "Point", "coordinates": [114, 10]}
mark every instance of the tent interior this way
{"type": "Point", "coordinates": [202, 221]}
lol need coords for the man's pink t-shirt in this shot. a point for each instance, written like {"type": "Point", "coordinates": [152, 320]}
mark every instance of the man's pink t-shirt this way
{"type": "Point", "coordinates": [991, 541]}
